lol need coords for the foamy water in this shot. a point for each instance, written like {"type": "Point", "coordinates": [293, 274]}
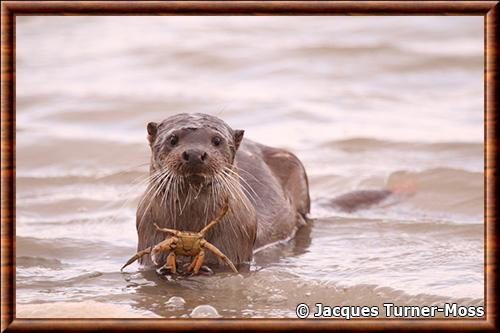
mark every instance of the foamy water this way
{"type": "Point", "coordinates": [364, 102]}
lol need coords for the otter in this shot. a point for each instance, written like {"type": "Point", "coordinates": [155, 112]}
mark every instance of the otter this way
{"type": "Point", "coordinates": [197, 162]}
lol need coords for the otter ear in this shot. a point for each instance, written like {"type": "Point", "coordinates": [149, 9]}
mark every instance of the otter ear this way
{"type": "Point", "coordinates": [152, 131]}
{"type": "Point", "coordinates": [238, 136]}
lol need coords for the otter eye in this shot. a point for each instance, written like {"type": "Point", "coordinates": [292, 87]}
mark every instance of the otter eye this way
{"type": "Point", "coordinates": [173, 140]}
{"type": "Point", "coordinates": [216, 141]}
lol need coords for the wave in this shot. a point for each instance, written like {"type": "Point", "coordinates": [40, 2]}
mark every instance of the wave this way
{"type": "Point", "coordinates": [368, 144]}
{"type": "Point", "coordinates": [323, 49]}
{"type": "Point", "coordinates": [429, 226]}
{"type": "Point", "coordinates": [69, 248]}
{"type": "Point", "coordinates": [61, 176]}
{"type": "Point", "coordinates": [28, 262]}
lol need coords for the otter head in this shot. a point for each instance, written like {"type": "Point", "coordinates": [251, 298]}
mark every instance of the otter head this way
{"type": "Point", "coordinates": [194, 146]}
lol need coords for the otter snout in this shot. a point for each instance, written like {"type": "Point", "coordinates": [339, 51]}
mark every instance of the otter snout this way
{"type": "Point", "coordinates": [194, 157]}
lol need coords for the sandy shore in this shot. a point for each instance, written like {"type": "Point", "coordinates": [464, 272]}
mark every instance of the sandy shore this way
{"type": "Point", "coordinates": [86, 309]}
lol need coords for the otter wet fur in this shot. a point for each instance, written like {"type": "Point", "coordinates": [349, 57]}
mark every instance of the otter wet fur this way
{"type": "Point", "coordinates": [186, 243]}
{"type": "Point", "coordinates": [197, 161]}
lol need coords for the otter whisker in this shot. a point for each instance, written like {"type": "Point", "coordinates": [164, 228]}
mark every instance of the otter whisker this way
{"type": "Point", "coordinates": [236, 189]}
{"type": "Point", "coordinates": [234, 166]}
{"type": "Point", "coordinates": [237, 175]}
{"type": "Point", "coordinates": [167, 192]}
{"type": "Point", "coordinates": [147, 179]}
{"type": "Point", "coordinates": [175, 195]}
{"type": "Point", "coordinates": [166, 188]}
{"type": "Point", "coordinates": [123, 171]}
{"type": "Point", "coordinates": [156, 176]}
{"type": "Point", "coordinates": [238, 186]}
{"type": "Point", "coordinates": [222, 192]}
{"type": "Point", "coordinates": [234, 186]}
{"type": "Point", "coordinates": [199, 190]}
{"type": "Point", "coordinates": [177, 201]}
{"type": "Point", "coordinates": [136, 184]}
{"type": "Point", "coordinates": [187, 198]}
{"type": "Point", "coordinates": [170, 190]}
{"type": "Point", "coordinates": [178, 191]}
{"type": "Point", "coordinates": [153, 179]}
{"type": "Point", "coordinates": [212, 193]}
{"type": "Point", "coordinates": [150, 193]}
{"type": "Point", "coordinates": [245, 193]}
{"type": "Point", "coordinates": [154, 190]}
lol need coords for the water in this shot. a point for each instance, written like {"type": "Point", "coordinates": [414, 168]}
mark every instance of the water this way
{"type": "Point", "coordinates": [365, 102]}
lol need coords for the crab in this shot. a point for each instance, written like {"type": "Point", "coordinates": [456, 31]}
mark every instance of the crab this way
{"type": "Point", "coordinates": [186, 243]}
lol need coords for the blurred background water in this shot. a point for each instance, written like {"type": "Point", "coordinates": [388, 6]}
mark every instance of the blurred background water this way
{"type": "Point", "coordinates": [363, 101]}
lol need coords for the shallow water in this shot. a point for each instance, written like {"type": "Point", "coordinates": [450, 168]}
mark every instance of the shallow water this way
{"type": "Point", "coordinates": [365, 102]}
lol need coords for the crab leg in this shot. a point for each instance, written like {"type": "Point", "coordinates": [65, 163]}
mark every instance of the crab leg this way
{"type": "Point", "coordinates": [197, 262]}
{"type": "Point", "coordinates": [219, 254]}
{"type": "Point", "coordinates": [170, 231]}
{"type": "Point", "coordinates": [171, 262]}
{"type": "Point", "coordinates": [217, 219]}
{"type": "Point", "coordinates": [193, 263]}
{"type": "Point", "coordinates": [137, 256]}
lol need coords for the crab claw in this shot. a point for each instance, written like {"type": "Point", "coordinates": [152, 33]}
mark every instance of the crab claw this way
{"type": "Point", "coordinates": [136, 256]}
{"type": "Point", "coordinates": [154, 254]}
{"type": "Point", "coordinates": [166, 245]}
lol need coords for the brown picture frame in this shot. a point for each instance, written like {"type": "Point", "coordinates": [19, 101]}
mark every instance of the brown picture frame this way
{"type": "Point", "coordinates": [11, 9]}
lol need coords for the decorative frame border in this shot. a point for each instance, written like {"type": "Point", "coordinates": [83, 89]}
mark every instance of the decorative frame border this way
{"type": "Point", "coordinates": [10, 9]}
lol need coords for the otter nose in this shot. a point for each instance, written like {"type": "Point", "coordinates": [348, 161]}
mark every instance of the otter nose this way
{"type": "Point", "coordinates": [194, 156]}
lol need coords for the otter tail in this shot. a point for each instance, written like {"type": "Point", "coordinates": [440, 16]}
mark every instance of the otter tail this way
{"type": "Point", "coordinates": [363, 199]}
